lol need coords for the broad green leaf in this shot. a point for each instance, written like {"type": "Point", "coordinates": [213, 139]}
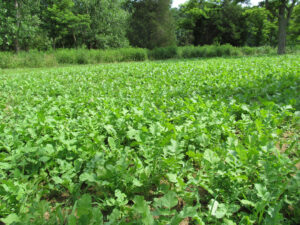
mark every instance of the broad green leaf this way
{"type": "Point", "coordinates": [246, 202]}
{"type": "Point", "coordinates": [211, 156]}
{"type": "Point", "coordinates": [97, 217]}
{"type": "Point", "coordinates": [57, 180]}
{"type": "Point", "coordinates": [87, 177]}
{"type": "Point", "coordinates": [137, 183]}
{"type": "Point", "coordinates": [72, 220]}
{"type": "Point", "coordinates": [84, 205]}
{"type": "Point", "coordinates": [114, 216]}
{"type": "Point", "coordinates": [112, 143]}
{"type": "Point", "coordinates": [121, 197]}
{"type": "Point", "coordinates": [262, 191]}
{"type": "Point", "coordinates": [188, 211]}
{"type": "Point", "coordinates": [10, 219]}
{"type": "Point", "coordinates": [217, 209]}
{"type": "Point", "coordinates": [141, 207]}
{"type": "Point", "coordinates": [229, 222]}
{"type": "Point", "coordinates": [169, 200]}
{"type": "Point", "coordinates": [5, 166]}
{"type": "Point", "coordinates": [172, 177]}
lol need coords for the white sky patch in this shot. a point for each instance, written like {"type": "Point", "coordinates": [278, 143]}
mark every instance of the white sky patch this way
{"type": "Point", "coordinates": [176, 3]}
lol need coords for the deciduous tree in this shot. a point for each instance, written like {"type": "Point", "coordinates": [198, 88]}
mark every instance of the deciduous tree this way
{"type": "Point", "coordinates": [108, 23]}
{"type": "Point", "coordinates": [60, 21]}
{"type": "Point", "coordinates": [151, 24]}
{"type": "Point", "coordinates": [260, 28]}
{"type": "Point", "coordinates": [282, 9]}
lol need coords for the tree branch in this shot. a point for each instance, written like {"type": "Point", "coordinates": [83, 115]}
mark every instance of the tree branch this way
{"type": "Point", "coordinates": [290, 9]}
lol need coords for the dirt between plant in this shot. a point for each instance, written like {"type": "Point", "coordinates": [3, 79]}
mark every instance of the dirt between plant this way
{"type": "Point", "coordinates": [284, 146]}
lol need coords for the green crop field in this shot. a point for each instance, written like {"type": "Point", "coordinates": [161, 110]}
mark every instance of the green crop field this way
{"type": "Point", "coordinates": [210, 141]}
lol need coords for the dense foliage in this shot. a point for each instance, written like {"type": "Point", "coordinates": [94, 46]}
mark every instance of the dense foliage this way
{"type": "Point", "coordinates": [151, 24]}
{"type": "Point", "coordinates": [228, 21]}
{"type": "Point", "coordinates": [102, 24]}
{"type": "Point", "coordinates": [46, 24]}
{"type": "Point", "coordinates": [213, 22]}
{"type": "Point", "coordinates": [210, 141]}
{"type": "Point", "coordinates": [294, 29]}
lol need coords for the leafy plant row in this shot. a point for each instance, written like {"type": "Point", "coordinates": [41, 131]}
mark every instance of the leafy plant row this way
{"type": "Point", "coordinates": [197, 142]}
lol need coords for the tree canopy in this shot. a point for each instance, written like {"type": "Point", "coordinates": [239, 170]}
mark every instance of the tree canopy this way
{"type": "Point", "coordinates": [102, 24]}
{"type": "Point", "coordinates": [151, 23]}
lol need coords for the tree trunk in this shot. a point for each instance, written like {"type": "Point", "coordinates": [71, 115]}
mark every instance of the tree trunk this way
{"type": "Point", "coordinates": [74, 39]}
{"type": "Point", "coordinates": [282, 21]}
{"type": "Point", "coordinates": [17, 46]}
{"type": "Point", "coordinates": [54, 43]}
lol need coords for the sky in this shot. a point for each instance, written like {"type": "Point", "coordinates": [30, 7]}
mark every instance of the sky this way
{"type": "Point", "coordinates": [176, 3]}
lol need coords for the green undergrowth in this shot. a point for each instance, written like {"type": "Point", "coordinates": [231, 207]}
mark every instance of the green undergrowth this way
{"type": "Point", "coordinates": [35, 59]}
{"type": "Point", "coordinates": [210, 141]}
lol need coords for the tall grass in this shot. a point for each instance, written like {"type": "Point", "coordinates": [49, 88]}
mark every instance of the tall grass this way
{"type": "Point", "coordinates": [70, 56]}
{"type": "Point", "coordinates": [223, 50]}
{"type": "Point", "coordinates": [85, 56]}
{"type": "Point", "coordinates": [27, 59]}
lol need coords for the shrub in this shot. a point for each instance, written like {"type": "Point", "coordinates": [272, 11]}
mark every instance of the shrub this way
{"type": "Point", "coordinates": [207, 51]}
{"type": "Point", "coordinates": [225, 50]}
{"type": "Point", "coordinates": [96, 56]}
{"type": "Point", "coordinates": [248, 50]}
{"type": "Point", "coordinates": [85, 56]}
{"type": "Point", "coordinates": [211, 51]}
{"type": "Point", "coordinates": [65, 56]}
{"type": "Point", "coordinates": [82, 56]}
{"type": "Point", "coordinates": [265, 50]}
{"type": "Point", "coordinates": [192, 52]}
{"type": "Point", "coordinates": [163, 53]}
{"type": "Point", "coordinates": [110, 55]}
{"type": "Point", "coordinates": [31, 59]}
{"type": "Point", "coordinates": [219, 51]}
{"type": "Point", "coordinates": [133, 54]}
{"type": "Point", "coordinates": [6, 60]}
{"type": "Point", "coordinates": [49, 60]}
{"type": "Point", "coordinates": [26, 59]}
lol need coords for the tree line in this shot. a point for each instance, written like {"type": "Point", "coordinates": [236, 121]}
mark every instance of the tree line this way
{"type": "Point", "coordinates": [102, 24]}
